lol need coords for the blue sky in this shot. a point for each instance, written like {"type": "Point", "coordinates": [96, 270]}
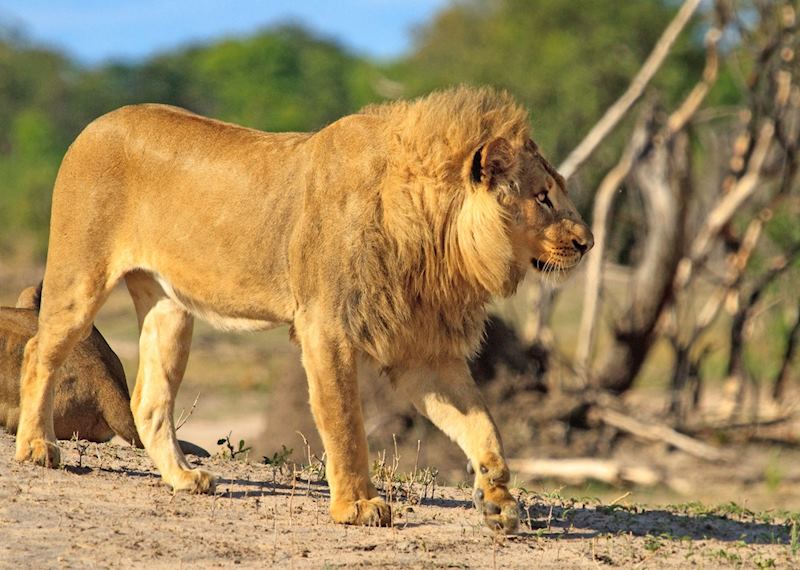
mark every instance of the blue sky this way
{"type": "Point", "coordinates": [93, 31]}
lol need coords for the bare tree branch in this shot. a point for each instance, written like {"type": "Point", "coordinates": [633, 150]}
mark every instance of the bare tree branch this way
{"type": "Point", "coordinates": [615, 113]}
{"type": "Point", "coordinates": [663, 176]}
{"type": "Point", "coordinates": [659, 432]}
{"type": "Point", "coordinates": [594, 270]}
{"type": "Point", "coordinates": [604, 197]}
{"type": "Point", "coordinates": [726, 207]}
{"type": "Point", "coordinates": [736, 374]}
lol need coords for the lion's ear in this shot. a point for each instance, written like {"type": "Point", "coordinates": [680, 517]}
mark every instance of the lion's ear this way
{"type": "Point", "coordinates": [492, 163]}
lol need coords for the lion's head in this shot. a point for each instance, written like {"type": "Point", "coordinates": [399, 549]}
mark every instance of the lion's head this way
{"type": "Point", "coordinates": [546, 232]}
{"type": "Point", "coordinates": [469, 201]}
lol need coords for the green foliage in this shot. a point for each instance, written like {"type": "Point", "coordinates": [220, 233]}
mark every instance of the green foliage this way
{"type": "Point", "coordinates": [783, 229]}
{"type": "Point", "coordinates": [279, 458]}
{"type": "Point", "coordinates": [567, 61]}
{"type": "Point", "coordinates": [230, 451]}
{"type": "Point", "coordinates": [652, 543]}
{"type": "Point", "coordinates": [729, 557]}
{"type": "Point", "coordinates": [27, 171]}
{"type": "Point", "coordinates": [280, 80]}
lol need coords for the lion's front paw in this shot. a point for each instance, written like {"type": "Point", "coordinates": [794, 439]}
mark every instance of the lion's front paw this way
{"type": "Point", "coordinates": [39, 451]}
{"type": "Point", "coordinates": [500, 510]}
{"type": "Point", "coordinates": [195, 481]}
{"type": "Point", "coordinates": [367, 512]}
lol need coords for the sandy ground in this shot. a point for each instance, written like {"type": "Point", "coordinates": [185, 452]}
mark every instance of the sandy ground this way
{"type": "Point", "coordinates": [108, 508]}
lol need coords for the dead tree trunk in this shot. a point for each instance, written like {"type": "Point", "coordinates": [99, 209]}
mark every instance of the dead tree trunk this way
{"type": "Point", "coordinates": [663, 176]}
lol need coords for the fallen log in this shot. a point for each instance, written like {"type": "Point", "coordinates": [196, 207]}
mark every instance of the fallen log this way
{"type": "Point", "coordinates": [658, 432]}
{"type": "Point", "coordinates": [576, 471]}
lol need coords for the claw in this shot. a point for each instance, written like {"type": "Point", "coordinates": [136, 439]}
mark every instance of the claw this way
{"type": "Point", "coordinates": [477, 498]}
{"type": "Point", "coordinates": [492, 509]}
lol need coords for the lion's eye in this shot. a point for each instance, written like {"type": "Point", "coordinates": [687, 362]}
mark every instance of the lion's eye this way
{"type": "Point", "coordinates": [542, 198]}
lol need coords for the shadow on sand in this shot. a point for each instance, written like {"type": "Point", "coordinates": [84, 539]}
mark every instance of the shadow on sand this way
{"type": "Point", "coordinates": [588, 522]}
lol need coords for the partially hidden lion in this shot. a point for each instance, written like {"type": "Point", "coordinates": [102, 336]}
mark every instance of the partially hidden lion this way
{"type": "Point", "coordinates": [382, 236]}
{"type": "Point", "coordinates": [91, 399]}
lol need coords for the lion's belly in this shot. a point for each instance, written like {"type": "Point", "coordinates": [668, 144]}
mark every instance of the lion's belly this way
{"type": "Point", "coordinates": [213, 315]}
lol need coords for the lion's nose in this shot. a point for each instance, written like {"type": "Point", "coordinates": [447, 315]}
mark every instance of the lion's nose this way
{"type": "Point", "coordinates": [583, 239]}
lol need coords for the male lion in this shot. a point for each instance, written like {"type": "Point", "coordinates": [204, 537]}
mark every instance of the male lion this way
{"type": "Point", "coordinates": [380, 236]}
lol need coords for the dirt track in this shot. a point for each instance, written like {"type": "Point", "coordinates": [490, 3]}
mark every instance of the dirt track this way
{"type": "Point", "coordinates": [112, 511]}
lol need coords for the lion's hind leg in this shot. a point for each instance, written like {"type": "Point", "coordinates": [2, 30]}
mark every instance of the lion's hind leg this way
{"type": "Point", "coordinates": [165, 333]}
{"type": "Point", "coordinates": [69, 304]}
{"type": "Point", "coordinates": [448, 396]}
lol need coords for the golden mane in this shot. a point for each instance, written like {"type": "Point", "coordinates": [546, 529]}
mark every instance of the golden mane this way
{"type": "Point", "coordinates": [435, 135]}
{"type": "Point", "coordinates": [448, 238]}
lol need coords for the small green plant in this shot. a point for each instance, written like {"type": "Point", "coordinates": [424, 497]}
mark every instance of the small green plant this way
{"type": "Point", "coordinates": [413, 487]}
{"type": "Point", "coordinates": [279, 459]}
{"type": "Point", "coordinates": [652, 543]}
{"type": "Point", "coordinates": [610, 509]}
{"type": "Point", "coordinates": [314, 469]}
{"type": "Point", "coordinates": [765, 563]}
{"type": "Point", "coordinates": [794, 544]}
{"type": "Point", "coordinates": [232, 452]}
{"type": "Point", "coordinates": [732, 509]}
{"type": "Point", "coordinates": [731, 557]}
{"type": "Point", "coordinates": [280, 462]}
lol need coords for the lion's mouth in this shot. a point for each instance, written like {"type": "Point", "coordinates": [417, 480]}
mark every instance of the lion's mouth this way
{"type": "Point", "coordinates": [542, 266]}
{"type": "Point", "coordinates": [549, 267]}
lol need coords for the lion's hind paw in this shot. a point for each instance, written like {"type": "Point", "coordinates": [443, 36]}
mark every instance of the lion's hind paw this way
{"type": "Point", "coordinates": [39, 451]}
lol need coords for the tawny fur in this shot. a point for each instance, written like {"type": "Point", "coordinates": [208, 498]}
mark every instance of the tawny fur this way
{"type": "Point", "coordinates": [381, 236]}
{"type": "Point", "coordinates": [91, 398]}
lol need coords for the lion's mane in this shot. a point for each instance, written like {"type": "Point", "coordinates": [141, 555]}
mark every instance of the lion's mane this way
{"type": "Point", "coordinates": [436, 248]}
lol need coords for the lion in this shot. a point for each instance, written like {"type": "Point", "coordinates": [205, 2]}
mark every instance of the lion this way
{"type": "Point", "coordinates": [91, 398]}
{"type": "Point", "coordinates": [381, 236]}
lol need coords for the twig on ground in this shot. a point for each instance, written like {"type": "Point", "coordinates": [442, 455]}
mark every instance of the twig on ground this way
{"type": "Point", "coordinates": [621, 497]}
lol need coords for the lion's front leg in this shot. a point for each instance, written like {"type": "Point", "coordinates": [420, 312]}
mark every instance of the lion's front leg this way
{"type": "Point", "coordinates": [330, 366]}
{"type": "Point", "coordinates": [448, 396]}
